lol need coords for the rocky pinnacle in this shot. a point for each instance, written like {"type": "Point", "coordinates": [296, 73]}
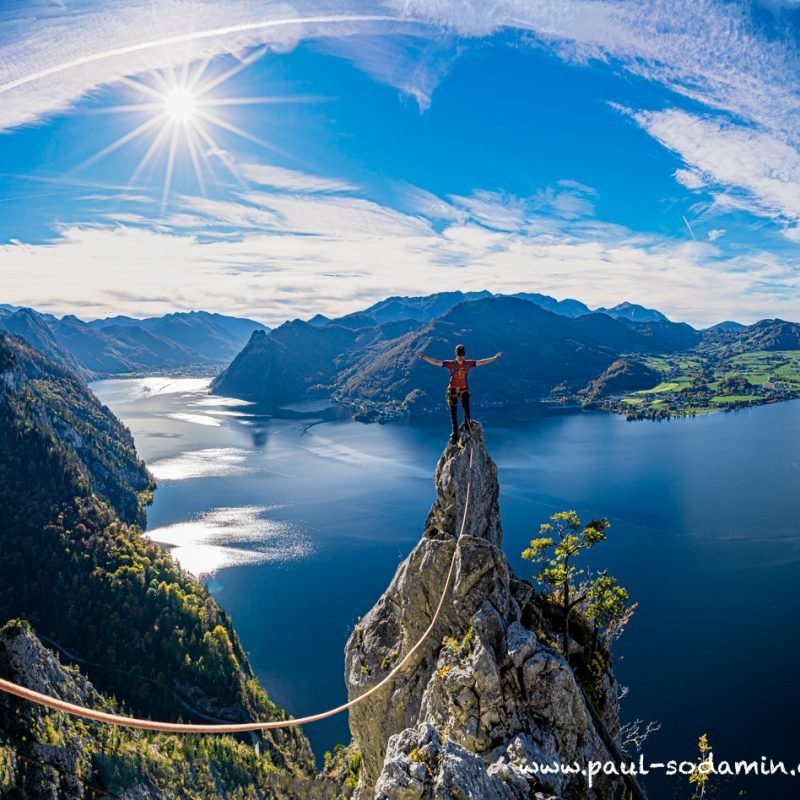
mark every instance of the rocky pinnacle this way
{"type": "Point", "coordinates": [483, 700]}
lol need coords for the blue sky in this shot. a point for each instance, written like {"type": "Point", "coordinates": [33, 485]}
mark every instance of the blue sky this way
{"type": "Point", "coordinates": [601, 150]}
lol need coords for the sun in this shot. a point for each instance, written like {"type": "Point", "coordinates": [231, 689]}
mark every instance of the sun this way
{"type": "Point", "coordinates": [181, 114]}
{"type": "Point", "coordinates": [180, 104]}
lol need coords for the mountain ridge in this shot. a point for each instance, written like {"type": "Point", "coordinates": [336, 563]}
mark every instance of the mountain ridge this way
{"type": "Point", "coordinates": [425, 308]}
{"type": "Point", "coordinates": [123, 345]}
{"type": "Point", "coordinates": [77, 567]}
{"type": "Point", "coordinates": [374, 370]}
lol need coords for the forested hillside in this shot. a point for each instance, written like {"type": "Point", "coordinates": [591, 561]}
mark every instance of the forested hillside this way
{"type": "Point", "coordinates": [76, 565]}
{"type": "Point", "coordinates": [46, 754]}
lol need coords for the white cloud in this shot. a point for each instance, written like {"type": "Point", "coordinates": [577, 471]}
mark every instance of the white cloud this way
{"type": "Point", "coordinates": [426, 204]}
{"type": "Point", "coordinates": [203, 212]}
{"type": "Point", "coordinates": [689, 178]}
{"type": "Point", "coordinates": [793, 233]}
{"type": "Point", "coordinates": [337, 216]}
{"type": "Point", "coordinates": [546, 211]}
{"type": "Point", "coordinates": [495, 210]}
{"type": "Point", "coordinates": [292, 180]}
{"type": "Point", "coordinates": [119, 197]}
{"type": "Point", "coordinates": [577, 186]}
{"type": "Point", "coordinates": [764, 170]}
{"type": "Point", "coordinates": [336, 253]}
{"type": "Point", "coordinates": [413, 64]}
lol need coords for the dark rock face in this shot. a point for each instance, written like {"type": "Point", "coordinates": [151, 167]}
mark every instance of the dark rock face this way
{"type": "Point", "coordinates": [33, 328]}
{"type": "Point", "coordinates": [482, 699]}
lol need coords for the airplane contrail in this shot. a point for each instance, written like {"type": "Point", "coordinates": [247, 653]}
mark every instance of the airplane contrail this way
{"type": "Point", "coordinates": [690, 228]}
{"type": "Point", "coordinates": [194, 36]}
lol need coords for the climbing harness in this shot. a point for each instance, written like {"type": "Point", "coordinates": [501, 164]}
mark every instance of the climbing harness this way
{"type": "Point", "coordinates": [241, 727]}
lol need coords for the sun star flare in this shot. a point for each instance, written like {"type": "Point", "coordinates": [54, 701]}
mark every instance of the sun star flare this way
{"type": "Point", "coordinates": [183, 117]}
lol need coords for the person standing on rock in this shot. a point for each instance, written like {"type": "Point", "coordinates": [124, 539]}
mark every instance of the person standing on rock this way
{"type": "Point", "coordinates": [458, 386]}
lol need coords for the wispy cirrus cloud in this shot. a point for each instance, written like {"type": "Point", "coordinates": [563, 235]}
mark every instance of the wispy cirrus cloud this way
{"type": "Point", "coordinates": [292, 180]}
{"type": "Point", "coordinates": [741, 68]}
{"type": "Point", "coordinates": [711, 51]}
{"type": "Point", "coordinates": [100, 43]}
{"type": "Point", "coordinates": [278, 213]}
{"type": "Point", "coordinates": [761, 169]}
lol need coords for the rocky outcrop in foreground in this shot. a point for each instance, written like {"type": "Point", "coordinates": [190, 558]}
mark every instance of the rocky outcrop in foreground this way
{"type": "Point", "coordinates": [484, 698]}
{"type": "Point", "coordinates": [47, 755]}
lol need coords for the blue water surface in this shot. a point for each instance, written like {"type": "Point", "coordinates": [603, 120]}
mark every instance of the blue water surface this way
{"type": "Point", "coordinates": [298, 523]}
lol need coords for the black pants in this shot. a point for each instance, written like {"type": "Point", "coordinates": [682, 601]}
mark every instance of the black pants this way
{"type": "Point", "coordinates": [452, 402]}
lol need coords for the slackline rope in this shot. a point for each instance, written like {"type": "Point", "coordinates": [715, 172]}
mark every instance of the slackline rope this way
{"type": "Point", "coordinates": [240, 727]}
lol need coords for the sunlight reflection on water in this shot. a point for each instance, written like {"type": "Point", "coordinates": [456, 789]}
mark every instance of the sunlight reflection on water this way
{"type": "Point", "coordinates": [213, 462]}
{"type": "Point", "coordinates": [128, 391]}
{"type": "Point", "coordinates": [226, 537]}
{"type": "Point", "coordinates": [196, 419]}
{"type": "Point", "coordinates": [328, 449]}
{"type": "Point", "coordinates": [218, 400]}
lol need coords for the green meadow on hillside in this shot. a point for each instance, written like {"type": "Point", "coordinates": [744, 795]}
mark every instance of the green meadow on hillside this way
{"type": "Point", "coordinates": [716, 381]}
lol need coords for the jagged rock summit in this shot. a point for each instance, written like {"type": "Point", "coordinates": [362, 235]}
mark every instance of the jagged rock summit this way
{"type": "Point", "coordinates": [484, 699]}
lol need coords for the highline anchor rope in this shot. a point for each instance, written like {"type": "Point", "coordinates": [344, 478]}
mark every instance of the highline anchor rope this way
{"type": "Point", "coordinates": [241, 727]}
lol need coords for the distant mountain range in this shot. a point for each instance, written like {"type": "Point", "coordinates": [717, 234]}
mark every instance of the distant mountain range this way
{"type": "Point", "coordinates": [552, 349]}
{"type": "Point", "coordinates": [633, 313]}
{"type": "Point", "coordinates": [123, 345]}
{"type": "Point", "coordinates": [368, 361]}
{"type": "Point", "coordinates": [200, 340]}
{"type": "Point", "coordinates": [429, 307]}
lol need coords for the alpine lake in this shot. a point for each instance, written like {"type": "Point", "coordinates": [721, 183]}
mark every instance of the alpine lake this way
{"type": "Point", "coordinates": [296, 522]}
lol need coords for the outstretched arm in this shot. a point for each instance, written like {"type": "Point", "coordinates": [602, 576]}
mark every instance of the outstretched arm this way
{"type": "Point", "coordinates": [484, 361]}
{"type": "Point", "coordinates": [432, 361]}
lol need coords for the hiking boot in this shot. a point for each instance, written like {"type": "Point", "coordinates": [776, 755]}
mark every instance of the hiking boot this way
{"type": "Point", "coordinates": [453, 438]}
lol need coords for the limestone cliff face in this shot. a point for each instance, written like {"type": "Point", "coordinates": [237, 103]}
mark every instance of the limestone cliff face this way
{"type": "Point", "coordinates": [483, 699]}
